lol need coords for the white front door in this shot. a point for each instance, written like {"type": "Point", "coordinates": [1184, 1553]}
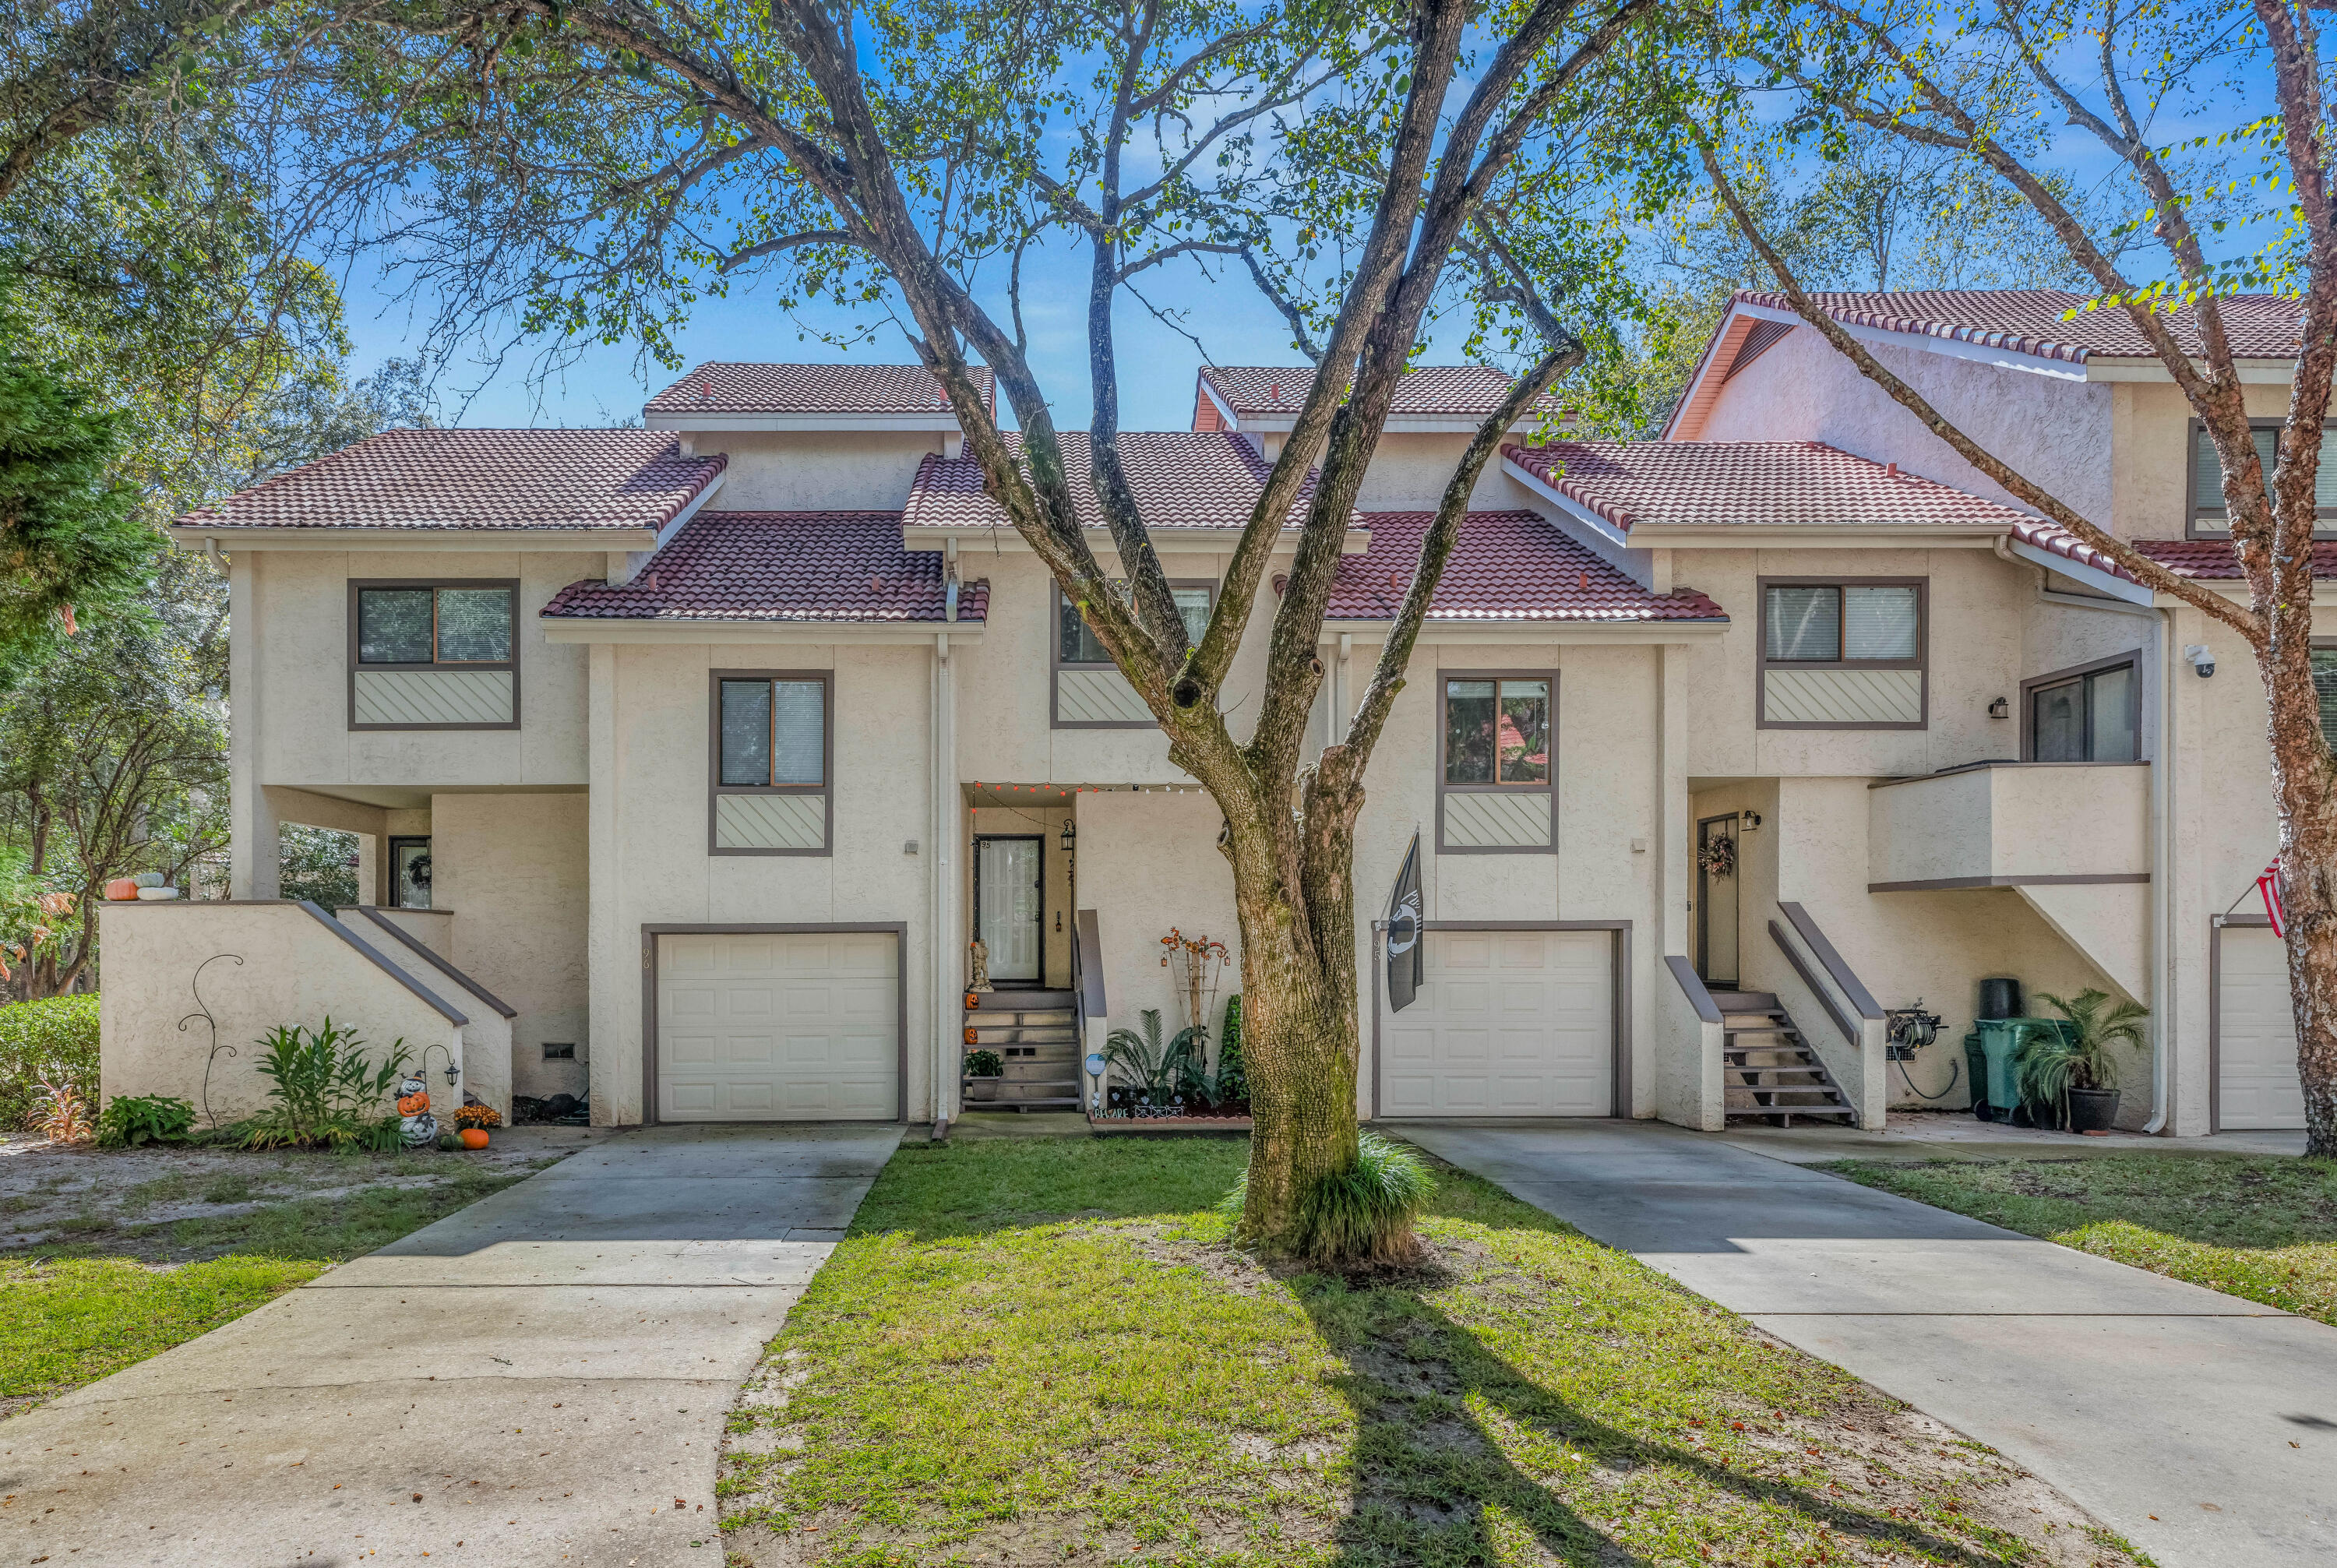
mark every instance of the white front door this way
{"type": "Point", "coordinates": [1506, 1024]}
{"type": "Point", "coordinates": [779, 1026]}
{"type": "Point", "coordinates": [2255, 1033]}
{"type": "Point", "coordinates": [1007, 901]}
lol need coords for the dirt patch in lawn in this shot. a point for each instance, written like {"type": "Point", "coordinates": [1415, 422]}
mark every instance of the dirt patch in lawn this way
{"type": "Point", "coordinates": [968, 1382]}
{"type": "Point", "coordinates": [166, 1203]}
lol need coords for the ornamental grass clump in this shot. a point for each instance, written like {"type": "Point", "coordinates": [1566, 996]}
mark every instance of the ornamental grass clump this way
{"type": "Point", "coordinates": [1364, 1214]}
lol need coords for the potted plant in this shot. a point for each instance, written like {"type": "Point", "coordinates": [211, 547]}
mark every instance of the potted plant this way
{"type": "Point", "coordinates": [473, 1120]}
{"type": "Point", "coordinates": [983, 1068]}
{"type": "Point", "coordinates": [2071, 1067]}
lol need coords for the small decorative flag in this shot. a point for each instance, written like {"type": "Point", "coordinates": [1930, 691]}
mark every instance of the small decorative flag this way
{"type": "Point", "coordinates": [2268, 885]}
{"type": "Point", "coordinates": [1404, 969]}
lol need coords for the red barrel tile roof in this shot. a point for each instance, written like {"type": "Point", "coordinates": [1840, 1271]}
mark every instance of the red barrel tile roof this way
{"type": "Point", "coordinates": [1455, 389]}
{"type": "Point", "coordinates": [820, 566]}
{"type": "Point", "coordinates": [721, 386]}
{"type": "Point", "coordinates": [1705, 484]}
{"type": "Point", "coordinates": [2030, 320]}
{"type": "Point", "coordinates": [1182, 480]}
{"type": "Point", "coordinates": [2215, 559]}
{"type": "Point", "coordinates": [478, 479]}
{"type": "Point", "coordinates": [1507, 566]}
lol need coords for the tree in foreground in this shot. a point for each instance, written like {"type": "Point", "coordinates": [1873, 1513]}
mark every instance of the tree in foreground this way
{"type": "Point", "coordinates": [2240, 202]}
{"type": "Point", "coordinates": [1367, 165]}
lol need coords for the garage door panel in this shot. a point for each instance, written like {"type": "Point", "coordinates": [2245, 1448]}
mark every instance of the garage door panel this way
{"type": "Point", "coordinates": [2255, 1035]}
{"type": "Point", "coordinates": [779, 1026]}
{"type": "Point", "coordinates": [1506, 1024]}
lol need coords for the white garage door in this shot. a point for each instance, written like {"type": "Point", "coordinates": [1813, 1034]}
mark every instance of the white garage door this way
{"type": "Point", "coordinates": [771, 1026]}
{"type": "Point", "coordinates": [1506, 1024]}
{"type": "Point", "coordinates": [2255, 1036]}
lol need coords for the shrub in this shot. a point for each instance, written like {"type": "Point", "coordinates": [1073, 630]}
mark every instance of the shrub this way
{"type": "Point", "coordinates": [1233, 1073]}
{"type": "Point", "coordinates": [323, 1090]}
{"type": "Point", "coordinates": [1363, 1214]}
{"type": "Point", "coordinates": [56, 1034]}
{"type": "Point", "coordinates": [130, 1119]}
{"type": "Point", "coordinates": [984, 1064]}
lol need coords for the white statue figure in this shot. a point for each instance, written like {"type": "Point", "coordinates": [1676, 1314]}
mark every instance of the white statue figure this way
{"type": "Point", "coordinates": [416, 1127]}
{"type": "Point", "coordinates": [981, 951]}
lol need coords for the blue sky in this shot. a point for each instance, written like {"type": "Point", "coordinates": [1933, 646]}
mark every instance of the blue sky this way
{"type": "Point", "coordinates": [1157, 364]}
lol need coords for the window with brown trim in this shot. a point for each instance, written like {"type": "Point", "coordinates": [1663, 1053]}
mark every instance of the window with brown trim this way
{"type": "Point", "coordinates": [1844, 654]}
{"type": "Point", "coordinates": [1089, 690]}
{"type": "Point", "coordinates": [770, 762]}
{"type": "Point", "coordinates": [1497, 733]}
{"type": "Point", "coordinates": [2204, 514]}
{"type": "Point", "coordinates": [2088, 714]}
{"type": "Point", "coordinates": [433, 654]}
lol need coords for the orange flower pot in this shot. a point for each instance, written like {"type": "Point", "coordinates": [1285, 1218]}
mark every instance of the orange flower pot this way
{"type": "Point", "coordinates": [474, 1137]}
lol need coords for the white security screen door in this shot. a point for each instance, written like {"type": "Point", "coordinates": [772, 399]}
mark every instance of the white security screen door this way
{"type": "Point", "coordinates": [1007, 904]}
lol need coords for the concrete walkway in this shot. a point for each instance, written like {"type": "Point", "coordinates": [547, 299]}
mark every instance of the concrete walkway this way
{"type": "Point", "coordinates": [2202, 1427]}
{"type": "Point", "coordinates": [540, 1378]}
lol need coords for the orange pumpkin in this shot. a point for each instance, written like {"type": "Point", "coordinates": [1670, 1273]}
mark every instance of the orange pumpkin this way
{"type": "Point", "coordinates": [474, 1137]}
{"type": "Point", "coordinates": [413, 1104]}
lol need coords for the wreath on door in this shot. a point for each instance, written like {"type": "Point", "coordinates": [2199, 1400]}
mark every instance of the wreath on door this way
{"type": "Point", "coordinates": [1717, 857]}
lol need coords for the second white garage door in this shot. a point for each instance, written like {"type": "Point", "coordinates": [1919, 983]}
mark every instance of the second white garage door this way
{"type": "Point", "coordinates": [779, 1026]}
{"type": "Point", "coordinates": [1506, 1024]}
{"type": "Point", "coordinates": [2255, 1033]}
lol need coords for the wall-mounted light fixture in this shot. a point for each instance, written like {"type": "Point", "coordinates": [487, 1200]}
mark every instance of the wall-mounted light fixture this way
{"type": "Point", "coordinates": [2000, 709]}
{"type": "Point", "coordinates": [1747, 821]}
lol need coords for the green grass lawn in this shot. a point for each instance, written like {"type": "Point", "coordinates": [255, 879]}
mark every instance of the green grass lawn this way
{"type": "Point", "coordinates": [2259, 1227]}
{"type": "Point", "coordinates": [1045, 1352]}
{"type": "Point", "coordinates": [114, 1290]}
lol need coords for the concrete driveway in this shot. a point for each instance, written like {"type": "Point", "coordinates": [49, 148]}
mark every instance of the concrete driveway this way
{"type": "Point", "coordinates": [2202, 1427]}
{"type": "Point", "coordinates": [540, 1378]}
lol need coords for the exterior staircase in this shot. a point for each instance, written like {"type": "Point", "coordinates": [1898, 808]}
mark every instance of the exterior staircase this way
{"type": "Point", "coordinates": [1036, 1033]}
{"type": "Point", "coordinates": [1769, 1070]}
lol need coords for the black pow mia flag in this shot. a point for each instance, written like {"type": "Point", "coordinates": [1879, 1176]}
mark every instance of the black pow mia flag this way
{"type": "Point", "coordinates": [1403, 961]}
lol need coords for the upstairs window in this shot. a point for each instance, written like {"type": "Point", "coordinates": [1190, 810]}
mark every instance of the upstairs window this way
{"type": "Point", "coordinates": [1090, 692]}
{"type": "Point", "coordinates": [774, 748]}
{"type": "Point", "coordinates": [1842, 623]}
{"type": "Point", "coordinates": [2208, 514]}
{"type": "Point", "coordinates": [420, 627]}
{"type": "Point", "coordinates": [1843, 654]}
{"type": "Point", "coordinates": [1495, 732]}
{"type": "Point", "coordinates": [2087, 715]}
{"type": "Point", "coordinates": [1077, 645]}
{"type": "Point", "coordinates": [434, 656]}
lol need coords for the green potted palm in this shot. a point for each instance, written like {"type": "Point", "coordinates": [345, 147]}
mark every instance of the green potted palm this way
{"type": "Point", "coordinates": [2071, 1068]}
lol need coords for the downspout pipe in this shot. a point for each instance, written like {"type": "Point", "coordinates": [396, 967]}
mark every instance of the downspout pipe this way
{"type": "Point", "coordinates": [945, 837]}
{"type": "Point", "coordinates": [2162, 779]}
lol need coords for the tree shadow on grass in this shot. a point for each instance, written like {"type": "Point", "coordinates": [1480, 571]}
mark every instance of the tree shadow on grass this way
{"type": "Point", "coordinates": [1434, 1485]}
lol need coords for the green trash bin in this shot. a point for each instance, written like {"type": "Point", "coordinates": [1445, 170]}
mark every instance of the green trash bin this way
{"type": "Point", "coordinates": [2000, 1040]}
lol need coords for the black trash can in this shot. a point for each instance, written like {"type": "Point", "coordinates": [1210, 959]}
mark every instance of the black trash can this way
{"type": "Point", "coordinates": [1999, 997]}
{"type": "Point", "coordinates": [1976, 1074]}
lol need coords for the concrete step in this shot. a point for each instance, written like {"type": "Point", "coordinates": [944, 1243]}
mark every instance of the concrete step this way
{"type": "Point", "coordinates": [1009, 1034]}
{"type": "Point", "coordinates": [1745, 1001]}
{"type": "Point", "coordinates": [1016, 998]}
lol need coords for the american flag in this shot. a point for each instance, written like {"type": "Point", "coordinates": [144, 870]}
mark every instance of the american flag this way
{"type": "Point", "coordinates": [2268, 885]}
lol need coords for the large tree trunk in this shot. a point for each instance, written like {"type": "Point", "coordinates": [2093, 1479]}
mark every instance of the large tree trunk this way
{"type": "Point", "coordinates": [2307, 790]}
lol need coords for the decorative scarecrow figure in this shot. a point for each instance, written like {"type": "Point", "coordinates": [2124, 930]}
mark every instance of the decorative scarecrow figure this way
{"type": "Point", "coordinates": [415, 1126]}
